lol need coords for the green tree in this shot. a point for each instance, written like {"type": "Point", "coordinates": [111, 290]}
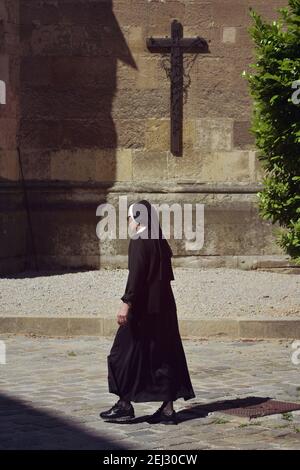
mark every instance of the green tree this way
{"type": "Point", "coordinates": [275, 87]}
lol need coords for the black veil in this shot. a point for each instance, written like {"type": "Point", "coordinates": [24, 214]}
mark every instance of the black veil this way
{"type": "Point", "coordinates": [147, 215]}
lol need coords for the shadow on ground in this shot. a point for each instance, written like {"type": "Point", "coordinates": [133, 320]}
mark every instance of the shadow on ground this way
{"type": "Point", "coordinates": [196, 411]}
{"type": "Point", "coordinates": [23, 427]}
{"type": "Point", "coordinates": [44, 273]}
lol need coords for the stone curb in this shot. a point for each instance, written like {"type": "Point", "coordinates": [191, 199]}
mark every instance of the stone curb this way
{"type": "Point", "coordinates": [199, 328]}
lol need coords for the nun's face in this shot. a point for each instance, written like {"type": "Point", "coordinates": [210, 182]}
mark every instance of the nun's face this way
{"type": "Point", "coordinates": [133, 225]}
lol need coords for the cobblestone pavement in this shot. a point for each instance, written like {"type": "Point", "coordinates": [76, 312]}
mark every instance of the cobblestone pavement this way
{"type": "Point", "coordinates": [52, 390]}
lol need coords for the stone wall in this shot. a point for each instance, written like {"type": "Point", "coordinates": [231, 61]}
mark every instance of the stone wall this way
{"type": "Point", "coordinates": [13, 223]}
{"type": "Point", "coordinates": [9, 74]}
{"type": "Point", "coordinates": [95, 101]}
{"type": "Point", "coordinates": [95, 123]}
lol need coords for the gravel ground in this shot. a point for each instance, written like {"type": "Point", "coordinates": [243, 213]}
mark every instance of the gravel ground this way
{"type": "Point", "coordinates": [205, 293]}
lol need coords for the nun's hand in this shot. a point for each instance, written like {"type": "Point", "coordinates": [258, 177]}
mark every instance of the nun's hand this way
{"type": "Point", "coordinates": [122, 316]}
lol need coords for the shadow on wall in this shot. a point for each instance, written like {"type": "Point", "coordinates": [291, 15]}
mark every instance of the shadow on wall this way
{"type": "Point", "coordinates": [27, 428]}
{"type": "Point", "coordinates": [70, 52]}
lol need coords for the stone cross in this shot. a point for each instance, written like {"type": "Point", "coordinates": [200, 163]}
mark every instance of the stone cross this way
{"type": "Point", "coordinates": [177, 45]}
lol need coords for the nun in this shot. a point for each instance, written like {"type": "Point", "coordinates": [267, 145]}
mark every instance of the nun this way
{"type": "Point", "coordinates": [147, 362]}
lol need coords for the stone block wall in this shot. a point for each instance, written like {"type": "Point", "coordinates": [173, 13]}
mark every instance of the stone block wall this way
{"type": "Point", "coordinates": [12, 215]}
{"type": "Point", "coordinates": [9, 74]}
{"type": "Point", "coordinates": [94, 122]}
{"type": "Point", "coordinates": [95, 101]}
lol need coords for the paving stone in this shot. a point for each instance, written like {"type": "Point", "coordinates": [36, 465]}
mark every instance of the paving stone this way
{"type": "Point", "coordinates": [46, 404]}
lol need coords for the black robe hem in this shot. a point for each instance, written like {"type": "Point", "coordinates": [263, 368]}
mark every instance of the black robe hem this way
{"type": "Point", "coordinates": [144, 398]}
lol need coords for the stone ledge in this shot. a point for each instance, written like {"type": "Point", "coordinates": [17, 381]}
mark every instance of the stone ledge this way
{"type": "Point", "coordinates": [176, 186]}
{"type": "Point", "coordinates": [273, 263]}
{"type": "Point", "coordinates": [103, 326]}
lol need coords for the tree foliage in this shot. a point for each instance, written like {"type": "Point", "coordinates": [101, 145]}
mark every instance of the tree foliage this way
{"type": "Point", "coordinates": [276, 120]}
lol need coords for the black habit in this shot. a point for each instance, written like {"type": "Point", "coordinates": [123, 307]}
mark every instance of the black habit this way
{"type": "Point", "coordinates": [147, 360]}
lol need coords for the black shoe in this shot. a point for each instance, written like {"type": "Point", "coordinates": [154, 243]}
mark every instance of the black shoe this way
{"type": "Point", "coordinates": [118, 413]}
{"type": "Point", "coordinates": [160, 417]}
